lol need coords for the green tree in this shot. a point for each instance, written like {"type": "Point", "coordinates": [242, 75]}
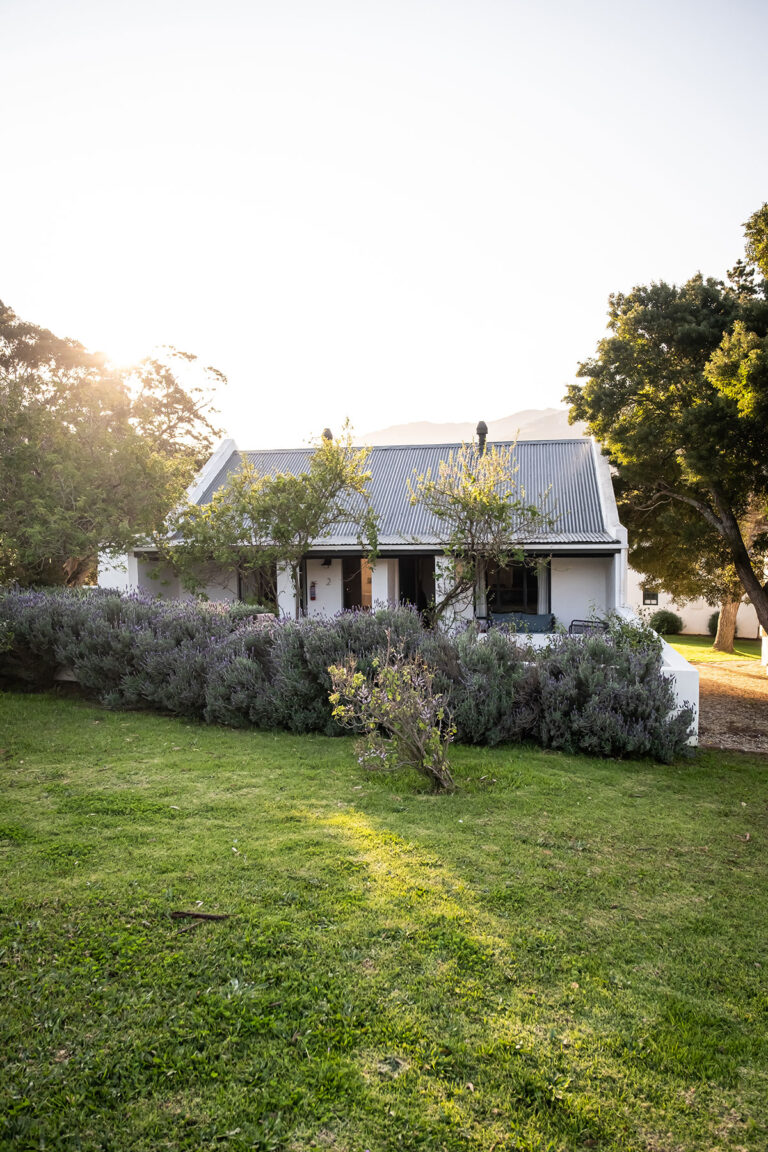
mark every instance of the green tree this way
{"type": "Point", "coordinates": [678, 396]}
{"type": "Point", "coordinates": [676, 548]}
{"type": "Point", "coordinates": [484, 517]}
{"type": "Point", "coordinates": [91, 458]}
{"type": "Point", "coordinates": [255, 522]}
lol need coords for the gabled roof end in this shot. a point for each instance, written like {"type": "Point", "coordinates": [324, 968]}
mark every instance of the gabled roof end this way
{"type": "Point", "coordinates": [210, 470]}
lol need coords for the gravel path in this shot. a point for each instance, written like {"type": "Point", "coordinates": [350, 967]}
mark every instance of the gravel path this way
{"type": "Point", "coordinates": [733, 705]}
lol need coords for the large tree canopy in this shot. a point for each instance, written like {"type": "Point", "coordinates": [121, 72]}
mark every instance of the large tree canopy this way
{"type": "Point", "coordinates": [676, 549]}
{"type": "Point", "coordinates": [678, 395]}
{"type": "Point", "coordinates": [91, 458]}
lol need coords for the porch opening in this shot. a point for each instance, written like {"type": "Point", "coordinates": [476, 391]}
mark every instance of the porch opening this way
{"type": "Point", "coordinates": [416, 581]}
{"type": "Point", "coordinates": [358, 582]}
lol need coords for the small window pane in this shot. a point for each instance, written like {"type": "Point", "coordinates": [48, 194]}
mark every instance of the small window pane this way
{"type": "Point", "coordinates": [650, 597]}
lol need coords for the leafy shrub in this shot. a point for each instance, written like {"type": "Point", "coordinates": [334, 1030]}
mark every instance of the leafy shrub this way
{"type": "Point", "coordinates": [666, 623]}
{"type": "Point", "coordinates": [713, 622]}
{"type": "Point", "coordinates": [632, 635]}
{"type": "Point", "coordinates": [403, 719]}
{"type": "Point", "coordinates": [607, 699]}
{"type": "Point", "coordinates": [6, 636]}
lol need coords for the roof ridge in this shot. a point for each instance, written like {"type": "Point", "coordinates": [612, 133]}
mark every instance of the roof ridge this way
{"type": "Point", "coordinates": [446, 444]}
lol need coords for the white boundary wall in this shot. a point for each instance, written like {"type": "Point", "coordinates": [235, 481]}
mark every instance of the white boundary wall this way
{"type": "Point", "coordinates": [684, 677]}
{"type": "Point", "coordinates": [685, 681]}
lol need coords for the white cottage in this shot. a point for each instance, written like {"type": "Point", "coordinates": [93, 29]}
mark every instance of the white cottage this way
{"type": "Point", "coordinates": [575, 567]}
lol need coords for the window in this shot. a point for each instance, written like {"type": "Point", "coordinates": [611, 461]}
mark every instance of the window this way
{"type": "Point", "coordinates": [650, 596]}
{"type": "Point", "coordinates": [514, 588]}
{"type": "Point", "coordinates": [258, 586]}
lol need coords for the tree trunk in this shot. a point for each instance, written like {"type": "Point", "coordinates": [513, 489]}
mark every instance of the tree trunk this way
{"type": "Point", "coordinates": [728, 527]}
{"type": "Point", "coordinates": [726, 626]}
{"type": "Point", "coordinates": [78, 569]}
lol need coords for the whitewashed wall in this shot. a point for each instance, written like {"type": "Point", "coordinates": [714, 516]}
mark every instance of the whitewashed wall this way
{"type": "Point", "coordinates": [695, 614]}
{"type": "Point", "coordinates": [219, 584]}
{"type": "Point", "coordinates": [329, 588]}
{"type": "Point", "coordinates": [461, 610]}
{"type": "Point", "coordinates": [582, 586]}
{"type": "Point", "coordinates": [136, 574]}
{"type": "Point", "coordinates": [286, 601]}
{"type": "Point", "coordinates": [685, 681]}
{"type": "Point", "coordinates": [385, 582]}
{"type": "Point", "coordinates": [156, 579]}
{"type": "Point", "coordinates": [120, 572]}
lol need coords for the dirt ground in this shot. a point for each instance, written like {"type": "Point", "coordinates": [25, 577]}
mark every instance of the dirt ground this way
{"type": "Point", "coordinates": [733, 705]}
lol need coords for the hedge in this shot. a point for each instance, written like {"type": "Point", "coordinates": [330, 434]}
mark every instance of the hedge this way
{"type": "Point", "coordinates": [603, 694]}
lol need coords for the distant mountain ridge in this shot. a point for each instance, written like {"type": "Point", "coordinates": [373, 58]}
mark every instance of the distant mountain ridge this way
{"type": "Point", "coordinates": [531, 424]}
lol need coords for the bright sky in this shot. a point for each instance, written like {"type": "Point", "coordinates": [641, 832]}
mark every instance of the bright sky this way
{"type": "Point", "coordinates": [394, 210]}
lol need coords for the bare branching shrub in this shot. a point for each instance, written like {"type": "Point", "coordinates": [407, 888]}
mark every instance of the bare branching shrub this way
{"type": "Point", "coordinates": [403, 720]}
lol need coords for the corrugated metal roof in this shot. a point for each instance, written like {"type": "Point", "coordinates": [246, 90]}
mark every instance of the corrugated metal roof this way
{"type": "Point", "coordinates": [558, 475]}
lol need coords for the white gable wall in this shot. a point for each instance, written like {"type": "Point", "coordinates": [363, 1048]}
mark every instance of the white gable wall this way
{"type": "Point", "coordinates": [617, 585]}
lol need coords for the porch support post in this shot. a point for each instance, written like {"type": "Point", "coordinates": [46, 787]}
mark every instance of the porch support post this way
{"type": "Point", "coordinates": [481, 590]}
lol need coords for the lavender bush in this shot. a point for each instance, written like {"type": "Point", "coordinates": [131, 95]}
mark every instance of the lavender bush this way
{"type": "Point", "coordinates": [495, 696]}
{"type": "Point", "coordinates": [602, 693]}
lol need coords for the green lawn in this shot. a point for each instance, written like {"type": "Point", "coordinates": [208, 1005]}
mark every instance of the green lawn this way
{"type": "Point", "coordinates": [567, 954]}
{"type": "Point", "coordinates": [699, 650]}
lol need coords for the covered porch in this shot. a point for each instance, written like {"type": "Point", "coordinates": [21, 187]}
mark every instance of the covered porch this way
{"type": "Point", "coordinates": [556, 586]}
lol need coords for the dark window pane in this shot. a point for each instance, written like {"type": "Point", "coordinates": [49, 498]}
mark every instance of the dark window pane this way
{"type": "Point", "coordinates": [514, 588]}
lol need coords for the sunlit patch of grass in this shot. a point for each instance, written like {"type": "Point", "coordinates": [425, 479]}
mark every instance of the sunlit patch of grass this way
{"type": "Point", "coordinates": [699, 650]}
{"type": "Point", "coordinates": [566, 954]}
